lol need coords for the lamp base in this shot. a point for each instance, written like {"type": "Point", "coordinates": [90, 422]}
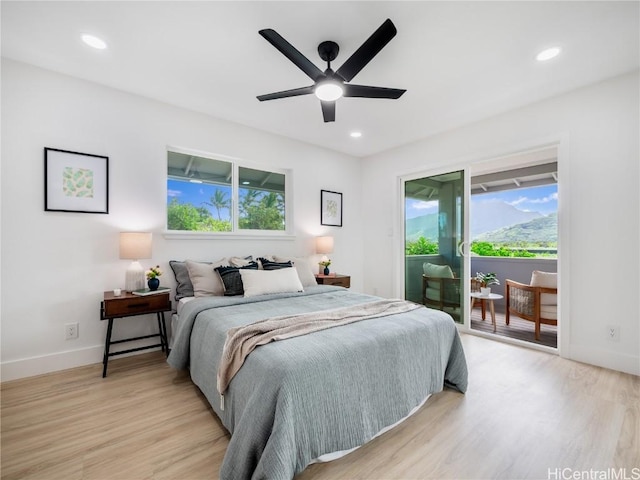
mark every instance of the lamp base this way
{"type": "Point", "coordinates": [134, 277]}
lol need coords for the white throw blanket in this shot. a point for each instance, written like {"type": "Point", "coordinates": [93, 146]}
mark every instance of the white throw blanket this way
{"type": "Point", "coordinates": [241, 341]}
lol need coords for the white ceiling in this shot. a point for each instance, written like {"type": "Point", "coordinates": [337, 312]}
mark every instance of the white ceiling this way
{"type": "Point", "coordinates": [459, 61]}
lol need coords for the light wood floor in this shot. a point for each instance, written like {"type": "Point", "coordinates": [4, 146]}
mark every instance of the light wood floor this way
{"type": "Point", "coordinates": [526, 413]}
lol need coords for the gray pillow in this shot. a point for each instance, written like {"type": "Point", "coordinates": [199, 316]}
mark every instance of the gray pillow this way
{"type": "Point", "coordinates": [184, 287]}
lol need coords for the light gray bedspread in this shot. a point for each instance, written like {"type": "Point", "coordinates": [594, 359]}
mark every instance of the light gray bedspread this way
{"type": "Point", "coordinates": [307, 396]}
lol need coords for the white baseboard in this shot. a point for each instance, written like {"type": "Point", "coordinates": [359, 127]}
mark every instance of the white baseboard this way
{"type": "Point", "coordinates": [29, 367]}
{"type": "Point", "coordinates": [606, 358]}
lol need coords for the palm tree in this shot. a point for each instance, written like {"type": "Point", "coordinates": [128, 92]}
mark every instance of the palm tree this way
{"type": "Point", "coordinates": [219, 201]}
{"type": "Point", "coordinates": [247, 198]}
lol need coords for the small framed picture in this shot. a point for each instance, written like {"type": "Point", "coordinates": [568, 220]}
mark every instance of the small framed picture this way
{"type": "Point", "coordinates": [330, 208]}
{"type": "Point", "coordinates": [75, 182]}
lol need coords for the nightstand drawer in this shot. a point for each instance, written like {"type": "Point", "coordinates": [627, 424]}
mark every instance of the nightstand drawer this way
{"type": "Point", "coordinates": [336, 280]}
{"type": "Point", "coordinates": [134, 305]}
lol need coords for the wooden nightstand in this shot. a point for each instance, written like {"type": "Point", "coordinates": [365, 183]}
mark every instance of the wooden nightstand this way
{"type": "Point", "coordinates": [334, 279]}
{"type": "Point", "coordinates": [129, 305]}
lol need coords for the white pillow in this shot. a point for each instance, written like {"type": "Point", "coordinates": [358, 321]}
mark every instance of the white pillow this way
{"type": "Point", "coordinates": [206, 281]}
{"type": "Point", "coordinates": [305, 272]}
{"type": "Point", "coordinates": [261, 282]}
{"type": "Point", "coordinates": [547, 280]}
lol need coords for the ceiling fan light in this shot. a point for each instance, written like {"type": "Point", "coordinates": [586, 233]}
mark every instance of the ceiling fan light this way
{"type": "Point", "coordinates": [329, 91]}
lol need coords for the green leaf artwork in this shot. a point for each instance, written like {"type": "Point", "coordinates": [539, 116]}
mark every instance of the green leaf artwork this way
{"type": "Point", "coordinates": [332, 208]}
{"type": "Point", "coordinates": [77, 182]}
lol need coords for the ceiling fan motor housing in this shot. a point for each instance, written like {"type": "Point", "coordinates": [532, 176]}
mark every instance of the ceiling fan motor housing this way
{"type": "Point", "coordinates": [328, 51]}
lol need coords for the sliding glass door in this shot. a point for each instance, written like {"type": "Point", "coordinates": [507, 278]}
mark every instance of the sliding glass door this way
{"type": "Point", "coordinates": [434, 222]}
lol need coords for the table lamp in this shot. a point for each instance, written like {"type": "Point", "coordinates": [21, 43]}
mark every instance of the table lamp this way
{"type": "Point", "coordinates": [324, 245]}
{"type": "Point", "coordinates": [135, 246]}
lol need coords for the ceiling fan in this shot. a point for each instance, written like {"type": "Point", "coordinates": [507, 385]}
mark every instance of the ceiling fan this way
{"type": "Point", "coordinates": [329, 85]}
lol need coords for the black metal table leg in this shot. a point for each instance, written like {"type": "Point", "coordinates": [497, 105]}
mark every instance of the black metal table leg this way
{"type": "Point", "coordinates": [160, 331]}
{"type": "Point", "coordinates": [107, 344]}
{"type": "Point", "coordinates": [163, 333]}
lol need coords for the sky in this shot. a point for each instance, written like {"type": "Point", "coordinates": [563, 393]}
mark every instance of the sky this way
{"type": "Point", "coordinates": [196, 194]}
{"type": "Point", "coordinates": [535, 199]}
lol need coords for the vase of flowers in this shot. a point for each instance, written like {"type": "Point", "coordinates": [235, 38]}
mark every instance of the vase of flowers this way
{"type": "Point", "coordinates": [324, 265]}
{"type": "Point", "coordinates": [152, 277]}
{"type": "Point", "coordinates": [486, 280]}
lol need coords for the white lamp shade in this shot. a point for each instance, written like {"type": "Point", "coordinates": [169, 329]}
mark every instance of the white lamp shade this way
{"type": "Point", "coordinates": [135, 245]}
{"type": "Point", "coordinates": [324, 245]}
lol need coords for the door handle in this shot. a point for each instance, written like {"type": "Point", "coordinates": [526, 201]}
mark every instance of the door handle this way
{"type": "Point", "coordinates": [461, 249]}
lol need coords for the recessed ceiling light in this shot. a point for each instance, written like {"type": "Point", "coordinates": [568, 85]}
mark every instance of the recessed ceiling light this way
{"type": "Point", "coordinates": [246, 183]}
{"type": "Point", "coordinates": [94, 41]}
{"type": "Point", "coordinates": [548, 54]}
{"type": "Point", "coordinates": [356, 134]}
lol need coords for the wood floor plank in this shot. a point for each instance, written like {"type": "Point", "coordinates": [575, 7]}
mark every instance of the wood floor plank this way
{"type": "Point", "coordinates": [525, 412]}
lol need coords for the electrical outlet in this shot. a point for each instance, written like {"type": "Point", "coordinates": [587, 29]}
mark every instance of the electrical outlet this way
{"type": "Point", "coordinates": [70, 331]}
{"type": "Point", "coordinates": [613, 333]}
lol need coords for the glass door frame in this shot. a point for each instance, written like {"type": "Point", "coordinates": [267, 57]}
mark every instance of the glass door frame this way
{"type": "Point", "coordinates": [464, 246]}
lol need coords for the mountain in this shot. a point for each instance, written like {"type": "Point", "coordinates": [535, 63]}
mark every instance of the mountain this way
{"type": "Point", "coordinates": [492, 221]}
{"type": "Point", "coordinates": [424, 226]}
{"type": "Point", "coordinates": [542, 229]}
{"type": "Point", "coordinates": [489, 216]}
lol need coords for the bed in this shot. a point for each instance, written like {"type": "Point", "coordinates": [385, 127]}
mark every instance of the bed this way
{"type": "Point", "coordinates": [318, 395]}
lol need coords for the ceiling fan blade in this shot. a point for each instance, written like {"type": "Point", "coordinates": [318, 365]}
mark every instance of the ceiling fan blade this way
{"type": "Point", "coordinates": [329, 111]}
{"type": "Point", "coordinates": [367, 50]}
{"type": "Point", "coordinates": [289, 51]}
{"type": "Point", "coordinates": [351, 90]}
{"type": "Point", "coordinates": [287, 93]}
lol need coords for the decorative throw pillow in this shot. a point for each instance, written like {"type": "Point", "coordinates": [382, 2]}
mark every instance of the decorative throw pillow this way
{"type": "Point", "coordinates": [206, 282]}
{"type": "Point", "coordinates": [184, 287]}
{"type": "Point", "coordinates": [240, 261]}
{"type": "Point", "coordinates": [547, 280]}
{"type": "Point", "coordinates": [305, 272]}
{"type": "Point", "coordinates": [231, 278]}
{"type": "Point", "coordinates": [438, 271]}
{"type": "Point", "coordinates": [262, 282]}
{"type": "Point", "coordinates": [271, 265]}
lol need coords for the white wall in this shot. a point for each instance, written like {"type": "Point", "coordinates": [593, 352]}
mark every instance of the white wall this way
{"type": "Point", "coordinates": [598, 131]}
{"type": "Point", "coordinates": [56, 265]}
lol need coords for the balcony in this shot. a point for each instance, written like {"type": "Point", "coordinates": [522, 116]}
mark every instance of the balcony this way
{"type": "Point", "coordinates": [518, 269]}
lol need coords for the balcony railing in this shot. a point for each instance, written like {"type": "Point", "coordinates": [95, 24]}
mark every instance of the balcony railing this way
{"type": "Point", "coordinates": [518, 269]}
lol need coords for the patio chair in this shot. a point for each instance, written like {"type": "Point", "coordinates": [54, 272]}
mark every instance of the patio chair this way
{"type": "Point", "coordinates": [440, 288]}
{"type": "Point", "coordinates": [536, 302]}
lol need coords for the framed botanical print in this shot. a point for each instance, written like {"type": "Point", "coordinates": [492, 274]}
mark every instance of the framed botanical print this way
{"type": "Point", "coordinates": [330, 208]}
{"type": "Point", "coordinates": [75, 182]}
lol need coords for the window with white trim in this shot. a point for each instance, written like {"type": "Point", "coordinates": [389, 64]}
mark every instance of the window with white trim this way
{"type": "Point", "coordinates": [209, 194]}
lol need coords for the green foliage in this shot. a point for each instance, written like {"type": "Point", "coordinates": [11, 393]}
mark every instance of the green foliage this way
{"type": "Point", "coordinates": [261, 211]}
{"type": "Point", "coordinates": [184, 216]}
{"type": "Point", "coordinates": [488, 279]}
{"type": "Point", "coordinates": [258, 211]}
{"type": "Point", "coordinates": [421, 246]}
{"type": "Point", "coordinates": [486, 249]}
